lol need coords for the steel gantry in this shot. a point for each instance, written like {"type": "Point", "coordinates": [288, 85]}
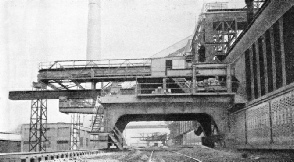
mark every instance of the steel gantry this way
{"type": "Point", "coordinates": [38, 124]}
{"type": "Point", "coordinates": [75, 131]}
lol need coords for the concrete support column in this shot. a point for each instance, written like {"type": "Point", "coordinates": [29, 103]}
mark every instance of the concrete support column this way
{"type": "Point", "coordinates": [94, 30]}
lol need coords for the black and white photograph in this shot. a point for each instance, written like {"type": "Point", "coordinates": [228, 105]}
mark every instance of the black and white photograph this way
{"type": "Point", "coordinates": [146, 80]}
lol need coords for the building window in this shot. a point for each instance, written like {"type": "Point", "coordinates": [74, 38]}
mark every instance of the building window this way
{"type": "Point", "coordinates": [62, 142]}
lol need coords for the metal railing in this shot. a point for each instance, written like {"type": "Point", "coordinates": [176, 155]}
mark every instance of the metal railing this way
{"type": "Point", "coordinates": [95, 63]}
{"type": "Point", "coordinates": [181, 87]}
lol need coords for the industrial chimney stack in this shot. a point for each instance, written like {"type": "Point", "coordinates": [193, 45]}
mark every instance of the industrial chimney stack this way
{"type": "Point", "coordinates": [94, 31]}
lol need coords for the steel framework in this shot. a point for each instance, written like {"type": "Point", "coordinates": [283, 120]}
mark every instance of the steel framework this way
{"type": "Point", "coordinates": [38, 124]}
{"type": "Point", "coordinates": [75, 131]}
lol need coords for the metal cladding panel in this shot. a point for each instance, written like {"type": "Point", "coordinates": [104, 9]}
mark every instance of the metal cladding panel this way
{"type": "Point", "coordinates": [283, 119]}
{"type": "Point", "coordinates": [158, 67]}
{"type": "Point", "coordinates": [179, 72]}
{"type": "Point", "coordinates": [211, 72]}
{"type": "Point", "coordinates": [258, 124]}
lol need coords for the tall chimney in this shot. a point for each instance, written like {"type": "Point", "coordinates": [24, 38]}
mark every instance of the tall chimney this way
{"type": "Point", "coordinates": [250, 10]}
{"type": "Point", "coordinates": [94, 31]}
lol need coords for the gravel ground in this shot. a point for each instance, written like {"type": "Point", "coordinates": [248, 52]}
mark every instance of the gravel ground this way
{"type": "Point", "coordinates": [202, 153]}
{"type": "Point", "coordinates": [212, 155]}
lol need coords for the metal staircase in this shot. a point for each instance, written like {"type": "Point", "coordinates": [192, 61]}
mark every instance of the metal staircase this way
{"type": "Point", "coordinates": [99, 126]}
{"type": "Point", "coordinates": [117, 138]}
{"type": "Point", "coordinates": [183, 84]}
{"type": "Point", "coordinates": [98, 120]}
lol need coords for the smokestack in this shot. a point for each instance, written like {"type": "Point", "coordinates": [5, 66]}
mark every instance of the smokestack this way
{"type": "Point", "coordinates": [94, 31]}
{"type": "Point", "coordinates": [250, 10]}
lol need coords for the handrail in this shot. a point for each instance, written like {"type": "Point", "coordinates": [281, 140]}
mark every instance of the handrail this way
{"type": "Point", "coordinates": [201, 87]}
{"type": "Point", "coordinates": [95, 63]}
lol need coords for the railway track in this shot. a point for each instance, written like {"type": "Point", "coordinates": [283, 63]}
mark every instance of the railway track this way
{"type": "Point", "coordinates": [170, 156]}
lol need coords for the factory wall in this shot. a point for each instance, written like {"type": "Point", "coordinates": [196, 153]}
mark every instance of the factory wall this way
{"type": "Point", "coordinates": [7, 146]}
{"type": "Point", "coordinates": [267, 121]}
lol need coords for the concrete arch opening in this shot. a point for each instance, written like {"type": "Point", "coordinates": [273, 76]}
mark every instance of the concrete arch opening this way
{"type": "Point", "coordinates": [207, 124]}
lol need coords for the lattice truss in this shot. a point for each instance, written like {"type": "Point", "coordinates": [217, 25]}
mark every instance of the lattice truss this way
{"type": "Point", "coordinates": [79, 74]}
{"type": "Point", "coordinates": [38, 123]}
{"type": "Point", "coordinates": [225, 33]}
{"type": "Point", "coordinates": [75, 131]}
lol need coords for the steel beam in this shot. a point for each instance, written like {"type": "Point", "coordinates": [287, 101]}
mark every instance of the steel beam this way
{"type": "Point", "coordinates": [53, 94]}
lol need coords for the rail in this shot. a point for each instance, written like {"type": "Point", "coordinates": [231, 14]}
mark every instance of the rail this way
{"type": "Point", "coordinates": [46, 156]}
{"type": "Point", "coordinates": [108, 63]}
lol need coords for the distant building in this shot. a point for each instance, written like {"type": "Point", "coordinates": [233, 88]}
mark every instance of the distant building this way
{"type": "Point", "coordinates": [9, 142]}
{"type": "Point", "coordinates": [183, 133]}
{"type": "Point", "coordinates": [58, 135]}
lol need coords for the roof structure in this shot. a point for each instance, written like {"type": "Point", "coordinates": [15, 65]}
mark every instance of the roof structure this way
{"type": "Point", "coordinates": [4, 136]}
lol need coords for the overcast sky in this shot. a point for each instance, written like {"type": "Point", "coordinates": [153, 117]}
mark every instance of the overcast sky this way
{"type": "Point", "coordinates": [33, 31]}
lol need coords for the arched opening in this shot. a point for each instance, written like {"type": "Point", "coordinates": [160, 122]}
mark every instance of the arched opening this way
{"type": "Point", "coordinates": [207, 126]}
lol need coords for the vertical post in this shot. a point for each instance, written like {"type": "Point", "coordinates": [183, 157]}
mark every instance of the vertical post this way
{"type": "Point", "coordinates": [246, 127]}
{"type": "Point", "coordinates": [265, 64]}
{"type": "Point", "coordinates": [164, 85]}
{"type": "Point", "coordinates": [194, 79]}
{"type": "Point", "coordinates": [252, 73]}
{"type": "Point", "coordinates": [93, 85]}
{"type": "Point", "coordinates": [282, 50]}
{"type": "Point", "coordinates": [258, 69]}
{"type": "Point", "coordinates": [229, 78]}
{"type": "Point", "coordinates": [271, 30]}
{"type": "Point", "coordinates": [137, 87]}
{"type": "Point", "coordinates": [102, 88]}
{"type": "Point", "coordinates": [270, 122]}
